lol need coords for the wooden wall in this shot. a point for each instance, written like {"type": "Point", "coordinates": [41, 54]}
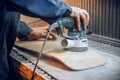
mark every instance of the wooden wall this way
{"type": "Point", "coordinates": [104, 16]}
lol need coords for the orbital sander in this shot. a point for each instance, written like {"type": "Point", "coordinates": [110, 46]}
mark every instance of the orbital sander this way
{"type": "Point", "coordinates": [72, 38]}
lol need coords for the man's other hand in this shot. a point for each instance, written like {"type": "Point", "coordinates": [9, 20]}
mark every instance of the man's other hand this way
{"type": "Point", "coordinates": [41, 33]}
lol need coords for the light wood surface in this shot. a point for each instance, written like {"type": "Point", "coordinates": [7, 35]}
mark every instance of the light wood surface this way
{"type": "Point", "coordinates": [73, 60]}
{"type": "Point", "coordinates": [109, 71]}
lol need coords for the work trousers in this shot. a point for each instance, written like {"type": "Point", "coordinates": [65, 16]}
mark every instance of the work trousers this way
{"type": "Point", "coordinates": [7, 37]}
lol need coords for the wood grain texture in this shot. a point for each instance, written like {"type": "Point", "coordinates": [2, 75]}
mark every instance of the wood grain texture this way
{"type": "Point", "coordinates": [73, 60]}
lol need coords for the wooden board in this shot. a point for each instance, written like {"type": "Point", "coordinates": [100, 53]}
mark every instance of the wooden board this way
{"type": "Point", "coordinates": [109, 71]}
{"type": "Point", "coordinates": [72, 60]}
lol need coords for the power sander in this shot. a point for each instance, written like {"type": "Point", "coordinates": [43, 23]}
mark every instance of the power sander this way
{"type": "Point", "coordinates": [74, 39]}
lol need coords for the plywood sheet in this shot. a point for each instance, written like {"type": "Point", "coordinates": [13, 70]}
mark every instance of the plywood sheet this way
{"type": "Point", "coordinates": [73, 60]}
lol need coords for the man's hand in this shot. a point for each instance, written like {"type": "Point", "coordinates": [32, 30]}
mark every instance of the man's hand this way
{"type": "Point", "coordinates": [41, 33]}
{"type": "Point", "coordinates": [80, 15]}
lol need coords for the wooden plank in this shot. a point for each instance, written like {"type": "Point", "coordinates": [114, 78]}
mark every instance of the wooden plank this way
{"type": "Point", "coordinates": [71, 59]}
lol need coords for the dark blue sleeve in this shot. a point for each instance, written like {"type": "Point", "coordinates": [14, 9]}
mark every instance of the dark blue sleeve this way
{"type": "Point", "coordinates": [44, 9]}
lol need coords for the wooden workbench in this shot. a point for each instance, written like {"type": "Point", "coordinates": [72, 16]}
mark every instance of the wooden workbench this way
{"type": "Point", "coordinates": [52, 70]}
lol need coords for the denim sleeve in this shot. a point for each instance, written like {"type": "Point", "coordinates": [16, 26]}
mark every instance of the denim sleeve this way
{"type": "Point", "coordinates": [44, 9]}
{"type": "Point", "coordinates": [23, 31]}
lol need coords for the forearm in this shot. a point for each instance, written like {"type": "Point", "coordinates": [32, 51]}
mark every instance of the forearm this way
{"type": "Point", "coordinates": [44, 9]}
